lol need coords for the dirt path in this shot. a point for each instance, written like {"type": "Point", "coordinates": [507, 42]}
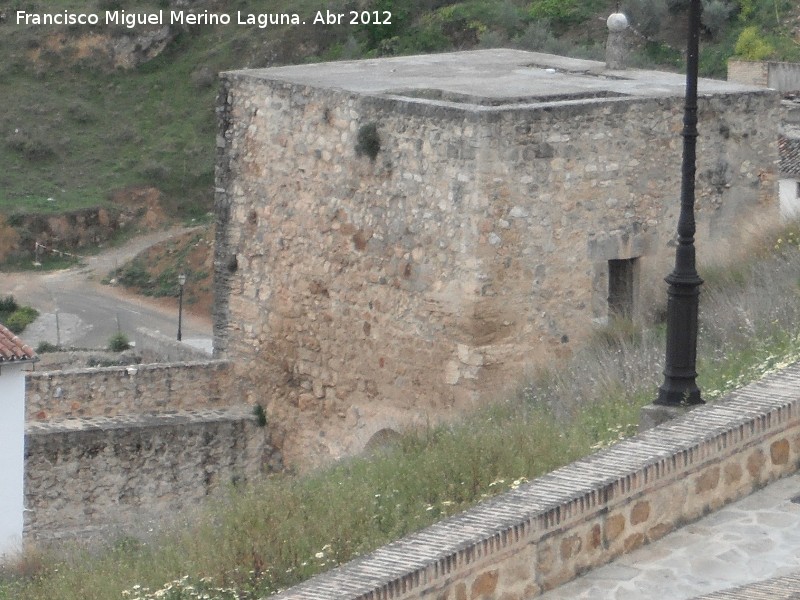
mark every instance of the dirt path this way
{"type": "Point", "coordinates": [102, 264]}
{"type": "Point", "coordinates": [77, 310]}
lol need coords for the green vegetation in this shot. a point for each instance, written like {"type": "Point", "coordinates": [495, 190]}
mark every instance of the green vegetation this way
{"type": "Point", "coordinates": [47, 262]}
{"type": "Point", "coordinates": [270, 535]}
{"type": "Point", "coordinates": [751, 46]}
{"type": "Point", "coordinates": [139, 273]}
{"type": "Point", "coordinates": [14, 316]}
{"type": "Point", "coordinates": [368, 142]}
{"type": "Point", "coordinates": [750, 29]}
{"type": "Point", "coordinates": [260, 415]}
{"type": "Point", "coordinates": [79, 129]}
{"type": "Point", "coordinates": [45, 347]}
{"type": "Point", "coordinates": [119, 342]}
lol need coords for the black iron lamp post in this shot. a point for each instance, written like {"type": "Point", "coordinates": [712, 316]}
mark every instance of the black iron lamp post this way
{"type": "Point", "coordinates": [679, 387]}
{"type": "Point", "coordinates": [181, 282]}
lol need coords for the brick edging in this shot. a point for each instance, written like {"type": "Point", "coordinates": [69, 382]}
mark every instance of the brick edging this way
{"type": "Point", "coordinates": [584, 514]}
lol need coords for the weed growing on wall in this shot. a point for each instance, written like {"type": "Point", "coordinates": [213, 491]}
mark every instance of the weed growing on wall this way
{"type": "Point", "coordinates": [368, 140]}
{"type": "Point", "coordinates": [260, 415]}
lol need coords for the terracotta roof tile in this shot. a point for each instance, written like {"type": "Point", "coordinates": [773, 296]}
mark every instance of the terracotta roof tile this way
{"type": "Point", "coordinates": [789, 151]}
{"type": "Point", "coordinates": [12, 348]}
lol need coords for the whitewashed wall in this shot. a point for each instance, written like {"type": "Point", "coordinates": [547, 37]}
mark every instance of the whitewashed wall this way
{"type": "Point", "coordinates": [12, 456]}
{"type": "Point", "coordinates": [790, 202]}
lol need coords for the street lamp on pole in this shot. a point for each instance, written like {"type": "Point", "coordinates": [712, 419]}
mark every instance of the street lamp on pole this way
{"type": "Point", "coordinates": [181, 283]}
{"type": "Point", "coordinates": [679, 387]}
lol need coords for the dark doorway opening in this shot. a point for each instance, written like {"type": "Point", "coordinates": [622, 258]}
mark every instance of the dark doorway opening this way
{"type": "Point", "coordinates": [621, 287]}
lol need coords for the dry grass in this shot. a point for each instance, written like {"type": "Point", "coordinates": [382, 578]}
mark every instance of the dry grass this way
{"type": "Point", "coordinates": [283, 530]}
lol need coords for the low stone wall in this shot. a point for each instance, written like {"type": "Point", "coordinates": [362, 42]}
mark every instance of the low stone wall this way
{"type": "Point", "coordinates": [154, 346]}
{"type": "Point", "coordinates": [543, 534]}
{"type": "Point", "coordinates": [781, 76]}
{"type": "Point", "coordinates": [748, 72]}
{"type": "Point", "coordinates": [134, 389]}
{"type": "Point", "coordinates": [85, 475]}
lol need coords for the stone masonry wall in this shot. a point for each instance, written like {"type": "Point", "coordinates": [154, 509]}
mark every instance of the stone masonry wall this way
{"type": "Point", "coordinates": [126, 447]}
{"type": "Point", "coordinates": [781, 76]}
{"type": "Point", "coordinates": [128, 390]}
{"type": "Point", "coordinates": [532, 539]}
{"type": "Point", "coordinates": [749, 72]}
{"type": "Point", "coordinates": [154, 346]}
{"type": "Point", "coordinates": [361, 294]}
{"type": "Point", "coordinates": [130, 473]}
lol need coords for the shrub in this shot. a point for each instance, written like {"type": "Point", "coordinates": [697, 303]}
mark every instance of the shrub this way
{"type": "Point", "coordinates": [751, 46]}
{"type": "Point", "coordinates": [44, 347]}
{"type": "Point", "coordinates": [260, 414]}
{"type": "Point", "coordinates": [368, 142]}
{"type": "Point", "coordinates": [677, 5]}
{"type": "Point", "coordinates": [119, 342]}
{"type": "Point", "coordinates": [155, 171]}
{"type": "Point", "coordinates": [716, 15]}
{"type": "Point", "coordinates": [557, 11]}
{"type": "Point", "coordinates": [203, 78]}
{"type": "Point", "coordinates": [539, 37]}
{"type": "Point", "coordinates": [646, 15]}
{"type": "Point", "coordinates": [508, 16]}
{"type": "Point", "coordinates": [746, 9]}
{"type": "Point", "coordinates": [492, 39]}
{"type": "Point", "coordinates": [81, 112]}
{"type": "Point", "coordinates": [375, 35]}
{"type": "Point", "coordinates": [134, 275]}
{"type": "Point", "coordinates": [32, 147]}
{"type": "Point", "coordinates": [21, 318]}
{"type": "Point", "coordinates": [8, 305]}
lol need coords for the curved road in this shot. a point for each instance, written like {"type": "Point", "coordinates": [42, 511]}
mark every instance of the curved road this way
{"type": "Point", "coordinates": [76, 310]}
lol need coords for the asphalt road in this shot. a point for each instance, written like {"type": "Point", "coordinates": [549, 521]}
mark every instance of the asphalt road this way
{"type": "Point", "coordinates": [76, 310]}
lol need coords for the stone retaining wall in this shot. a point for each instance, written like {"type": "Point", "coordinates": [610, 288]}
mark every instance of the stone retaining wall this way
{"type": "Point", "coordinates": [131, 473]}
{"type": "Point", "coordinates": [549, 530]}
{"type": "Point", "coordinates": [129, 390]}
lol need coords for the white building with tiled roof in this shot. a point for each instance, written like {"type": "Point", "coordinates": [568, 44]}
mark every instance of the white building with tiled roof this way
{"type": "Point", "coordinates": [15, 356]}
{"type": "Point", "coordinates": [789, 177]}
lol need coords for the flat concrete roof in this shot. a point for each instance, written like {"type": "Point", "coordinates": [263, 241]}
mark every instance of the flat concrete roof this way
{"type": "Point", "coordinates": [490, 78]}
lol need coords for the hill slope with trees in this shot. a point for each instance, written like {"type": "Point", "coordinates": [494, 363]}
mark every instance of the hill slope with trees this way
{"type": "Point", "coordinates": [94, 114]}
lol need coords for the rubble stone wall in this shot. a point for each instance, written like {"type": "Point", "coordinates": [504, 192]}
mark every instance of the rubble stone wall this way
{"type": "Point", "coordinates": [123, 448]}
{"type": "Point", "coordinates": [362, 292]}
{"type": "Point", "coordinates": [128, 390]}
{"type": "Point", "coordinates": [135, 472]}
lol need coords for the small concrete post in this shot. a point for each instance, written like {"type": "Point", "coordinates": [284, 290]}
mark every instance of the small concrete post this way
{"type": "Point", "coordinates": [616, 46]}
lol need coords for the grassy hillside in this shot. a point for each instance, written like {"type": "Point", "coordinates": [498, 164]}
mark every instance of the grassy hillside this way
{"type": "Point", "coordinates": [74, 129]}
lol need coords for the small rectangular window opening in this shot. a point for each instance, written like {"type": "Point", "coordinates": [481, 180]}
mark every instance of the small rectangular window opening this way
{"type": "Point", "coordinates": [621, 287]}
